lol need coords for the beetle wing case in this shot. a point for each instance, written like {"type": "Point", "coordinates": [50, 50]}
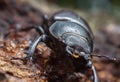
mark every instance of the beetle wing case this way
{"type": "Point", "coordinates": [72, 34]}
{"type": "Point", "coordinates": [73, 17]}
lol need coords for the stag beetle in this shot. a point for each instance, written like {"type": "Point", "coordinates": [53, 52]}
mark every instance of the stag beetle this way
{"type": "Point", "coordinates": [71, 34]}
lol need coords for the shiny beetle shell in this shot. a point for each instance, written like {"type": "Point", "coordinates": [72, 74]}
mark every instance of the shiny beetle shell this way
{"type": "Point", "coordinates": [72, 31]}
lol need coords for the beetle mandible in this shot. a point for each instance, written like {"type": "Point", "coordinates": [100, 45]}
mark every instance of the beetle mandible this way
{"type": "Point", "coordinates": [73, 35]}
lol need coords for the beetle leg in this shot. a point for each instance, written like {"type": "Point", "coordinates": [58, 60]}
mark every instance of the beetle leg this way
{"type": "Point", "coordinates": [31, 50]}
{"type": "Point", "coordinates": [95, 75]}
{"type": "Point", "coordinates": [96, 79]}
{"type": "Point", "coordinates": [34, 44]}
{"type": "Point", "coordinates": [32, 47]}
{"type": "Point", "coordinates": [39, 29]}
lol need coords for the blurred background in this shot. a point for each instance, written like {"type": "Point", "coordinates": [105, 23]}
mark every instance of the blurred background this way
{"type": "Point", "coordinates": [96, 12]}
{"type": "Point", "coordinates": [103, 16]}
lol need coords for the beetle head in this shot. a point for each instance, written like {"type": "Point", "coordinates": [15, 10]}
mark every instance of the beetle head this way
{"type": "Point", "coordinates": [77, 52]}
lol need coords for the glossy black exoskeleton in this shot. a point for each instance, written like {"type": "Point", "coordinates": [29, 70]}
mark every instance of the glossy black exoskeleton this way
{"type": "Point", "coordinates": [71, 34]}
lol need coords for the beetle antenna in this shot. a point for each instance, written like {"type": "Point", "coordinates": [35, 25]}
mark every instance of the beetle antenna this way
{"type": "Point", "coordinates": [107, 57]}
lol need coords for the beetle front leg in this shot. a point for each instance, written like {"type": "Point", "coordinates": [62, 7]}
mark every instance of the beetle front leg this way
{"type": "Point", "coordinates": [95, 75]}
{"type": "Point", "coordinates": [33, 46]}
{"type": "Point", "coordinates": [96, 79]}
